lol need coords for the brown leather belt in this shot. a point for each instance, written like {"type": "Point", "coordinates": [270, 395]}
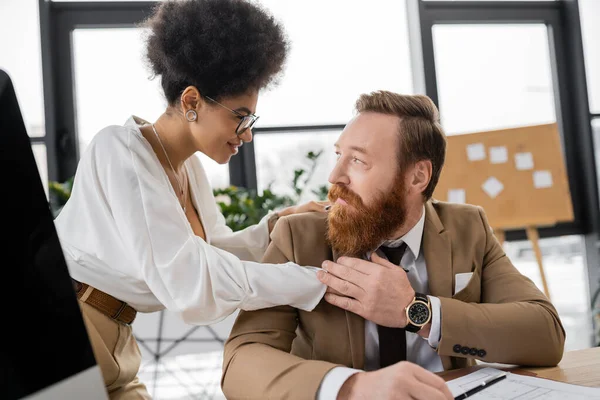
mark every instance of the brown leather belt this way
{"type": "Point", "coordinates": [108, 305]}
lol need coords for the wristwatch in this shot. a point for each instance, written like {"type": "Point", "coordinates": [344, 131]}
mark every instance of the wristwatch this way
{"type": "Point", "coordinates": [418, 313]}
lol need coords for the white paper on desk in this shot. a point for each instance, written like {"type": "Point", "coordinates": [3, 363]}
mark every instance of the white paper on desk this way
{"type": "Point", "coordinates": [520, 387]}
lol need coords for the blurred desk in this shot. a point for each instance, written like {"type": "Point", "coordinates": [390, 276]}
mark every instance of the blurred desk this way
{"type": "Point", "coordinates": [579, 367]}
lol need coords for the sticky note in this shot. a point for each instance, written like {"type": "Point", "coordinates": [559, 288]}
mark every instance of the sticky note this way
{"type": "Point", "coordinates": [492, 187]}
{"type": "Point", "coordinates": [457, 196]}
{"type": "Point", "coordinates": [498, 155]}
{"type": "Point", "coordinates": [476, 152]}
{"type": "Point", "coordinates": [542, 179]}
{"type": "Point", "coordinates": [524, 161]}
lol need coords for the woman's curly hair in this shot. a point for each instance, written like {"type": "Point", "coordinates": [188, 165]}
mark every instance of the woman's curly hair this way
{"type": "Point", "coordinates": [222, 47]}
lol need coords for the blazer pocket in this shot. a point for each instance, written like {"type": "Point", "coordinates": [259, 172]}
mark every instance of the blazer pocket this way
{"type": "Point", "coordinates": [471, 293]}
{"type": "Point", "coordinates": [461, 281]}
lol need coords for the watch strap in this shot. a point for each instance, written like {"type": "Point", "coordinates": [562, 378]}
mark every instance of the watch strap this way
{"type": "Point", "coordinates": [422, 297]}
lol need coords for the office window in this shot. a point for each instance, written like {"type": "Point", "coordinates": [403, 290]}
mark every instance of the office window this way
{"type": "Point", "coordinates": [339, 49]}
{"type": "Point", "coordinates": [95, 1]}
{"type": "Point", "coordinates": [279, 154]}
{"type": "Point", "coordinates": [567, 277]}
{"type": "Point", "coordinates": [589, 11]}
{"type": "Point", "coordinates": [487, 0]}
{"type": "Point", "coordinates": [39, 153]}
{"type": "Point", "coordinates": [112, 82]}
{"type": "Point", "coordinates": [20, 57]}
{"type": "Point", "coordinates": [596, 135]}
{"type": "Point", "coordinates": [493, 76]}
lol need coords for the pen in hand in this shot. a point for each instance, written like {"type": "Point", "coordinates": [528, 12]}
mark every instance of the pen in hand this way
{"type": "Point", "coordinates": [486, 383]}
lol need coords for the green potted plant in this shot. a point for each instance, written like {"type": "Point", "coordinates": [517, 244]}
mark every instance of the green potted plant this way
{"type": "Point", "coordinates": [244, 207]}
{"type": "Point", "coordinates": [59, 194]}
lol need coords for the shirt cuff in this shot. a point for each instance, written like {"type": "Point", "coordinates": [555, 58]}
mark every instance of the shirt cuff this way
{"type": "Point", "coordinates": [263, 225]}
{"type": "Point", "coordinates": [333, 382]}
{"type": "Point", "coordinates": [435, 333]}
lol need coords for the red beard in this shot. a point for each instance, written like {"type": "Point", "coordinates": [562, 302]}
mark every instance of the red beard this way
{"type": "Point", "coordinates": [355, 229]}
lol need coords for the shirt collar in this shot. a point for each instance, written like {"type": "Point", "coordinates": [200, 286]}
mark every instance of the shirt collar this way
{"type": "Point", "coordinates": [412, 238]}
{"type": "Point", "coordinates": [135, 121]}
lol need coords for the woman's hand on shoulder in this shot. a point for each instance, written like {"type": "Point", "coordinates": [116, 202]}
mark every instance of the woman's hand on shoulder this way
{"type": "Point", "coordinates": [311, 206]}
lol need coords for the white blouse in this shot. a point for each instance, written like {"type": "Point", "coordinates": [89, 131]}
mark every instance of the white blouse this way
{"type": "Point", "coordinates": [123, 231]}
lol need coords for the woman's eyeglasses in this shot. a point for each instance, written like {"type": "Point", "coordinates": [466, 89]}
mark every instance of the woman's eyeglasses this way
{"type": "Point", "coordinates": [246, 121]}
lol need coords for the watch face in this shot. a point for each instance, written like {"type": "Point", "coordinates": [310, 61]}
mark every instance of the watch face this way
{"type": "Point", "coordinates": [418, 313]}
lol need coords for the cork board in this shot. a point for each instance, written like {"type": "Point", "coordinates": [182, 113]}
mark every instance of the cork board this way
{"type": "Point", "coordinates": [517, 175]}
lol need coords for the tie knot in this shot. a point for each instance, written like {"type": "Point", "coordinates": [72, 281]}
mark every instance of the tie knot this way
{"type": "Point", "coordinates": [394, 254]}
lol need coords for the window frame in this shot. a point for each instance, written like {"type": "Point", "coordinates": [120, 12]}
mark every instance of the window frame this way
{"type": "Point", "coordinates": [568, 78]}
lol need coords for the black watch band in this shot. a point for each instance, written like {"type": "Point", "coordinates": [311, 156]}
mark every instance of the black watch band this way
{"type": "Point", "coordinates": [410, 327]}
{"type": "Point", "coordinates": [422, 297]}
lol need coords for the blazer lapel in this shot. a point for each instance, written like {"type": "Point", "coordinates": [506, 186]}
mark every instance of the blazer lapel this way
{"type": "Point", "coordinates": [356, 334]}
{"type": "Point", "coordinates": [437, 249]}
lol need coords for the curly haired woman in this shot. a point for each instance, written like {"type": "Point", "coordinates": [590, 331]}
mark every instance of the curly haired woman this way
{"type": "Point", "coordinates": [142, 231]}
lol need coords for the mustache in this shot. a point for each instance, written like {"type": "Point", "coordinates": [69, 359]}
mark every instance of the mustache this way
{"type": "Point", "coordinates": [354, 232]}
{"type": "Point", "coordinates": [337, 191]}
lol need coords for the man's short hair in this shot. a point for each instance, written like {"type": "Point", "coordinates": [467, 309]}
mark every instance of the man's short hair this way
{"type": "Point", "coordinates": [421, 136]}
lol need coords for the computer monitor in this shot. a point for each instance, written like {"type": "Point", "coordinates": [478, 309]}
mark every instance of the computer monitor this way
{"type": "Point", "coordinates": [45, 352]}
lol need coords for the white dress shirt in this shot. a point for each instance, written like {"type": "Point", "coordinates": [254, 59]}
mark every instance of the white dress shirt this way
{"type": "Point", "coordinates": [123, 231]}
{"type": "Point", "coordinates": [418, 350]}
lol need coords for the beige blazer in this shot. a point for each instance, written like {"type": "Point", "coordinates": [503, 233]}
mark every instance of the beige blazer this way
{"type": "Point", "coordinates": [499, 316]}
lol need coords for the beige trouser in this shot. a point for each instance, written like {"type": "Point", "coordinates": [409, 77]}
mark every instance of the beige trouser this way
{"type": "Point", "coordinates": [117, 354]}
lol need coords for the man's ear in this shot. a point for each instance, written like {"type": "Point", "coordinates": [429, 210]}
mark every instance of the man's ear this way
{"type": "Point", "coordinates": [421, 175]}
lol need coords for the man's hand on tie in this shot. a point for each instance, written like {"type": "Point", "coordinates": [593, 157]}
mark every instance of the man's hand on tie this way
{"type": "Point", "coordinates": [378, 291]}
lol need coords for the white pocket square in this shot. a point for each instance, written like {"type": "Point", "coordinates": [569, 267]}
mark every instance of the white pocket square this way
{"type": "Point", "coordinates": [461, 281]}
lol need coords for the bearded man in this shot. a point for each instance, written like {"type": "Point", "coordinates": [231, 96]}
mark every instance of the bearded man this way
{"type": "Point", "coordinates": [416, 286]}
